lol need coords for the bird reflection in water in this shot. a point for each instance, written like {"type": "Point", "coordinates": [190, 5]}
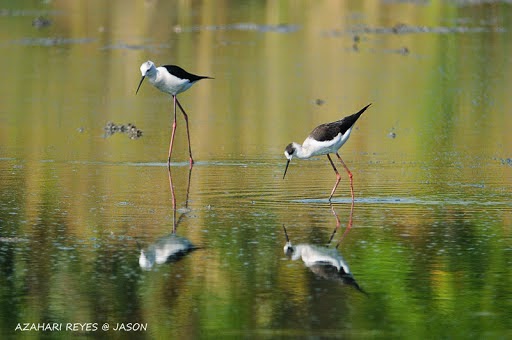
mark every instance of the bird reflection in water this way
{"type": "Point", "coordinates": [169, 248]}
{"type": "Point", "coordinates": [324, 262]}
{"type": "Point", "coordinates": [338, 223]}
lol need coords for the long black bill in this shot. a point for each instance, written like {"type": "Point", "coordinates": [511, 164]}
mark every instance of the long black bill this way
{"type": "Point", "coordinates": [138, 87]}
{"type": "Point", "coordinates": [286, 169]}
{"type": "Point", "coordinates": [286, 234]}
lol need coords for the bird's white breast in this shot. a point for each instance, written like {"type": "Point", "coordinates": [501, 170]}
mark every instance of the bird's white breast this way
{"type": "Point", "coordinates": [314, 147]}
{"type": "Point", "coordinates": [168, 83]}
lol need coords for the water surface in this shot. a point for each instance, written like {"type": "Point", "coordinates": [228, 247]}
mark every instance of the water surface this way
{"type": "Point", "coordinates": [429, 244]}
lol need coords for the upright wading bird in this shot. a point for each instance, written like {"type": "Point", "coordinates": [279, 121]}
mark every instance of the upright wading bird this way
{"type": "Point", "coordinates": [173, 80]}
{"type": "Point", "coordinates": [325, 139]}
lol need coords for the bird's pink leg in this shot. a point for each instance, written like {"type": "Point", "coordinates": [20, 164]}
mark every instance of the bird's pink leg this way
{"type": "Point", "coordinates": [349, 176]}
{"type": "Point", "coordinates": [349, 224]}
{"type": "Point", "coordinates": [338, 177]}
{"type": "Point", "coordinates": [172, 134]}
{"type": "Point", "coordinates": [188, 135]}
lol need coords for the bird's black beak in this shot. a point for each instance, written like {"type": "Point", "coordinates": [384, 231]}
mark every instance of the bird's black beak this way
{"type": "Point", "coordinates": [138, 87]}
{"type": "Point", "coordinates": [285, 169]}
{"type": "Point", "coordinates": [286, 234]}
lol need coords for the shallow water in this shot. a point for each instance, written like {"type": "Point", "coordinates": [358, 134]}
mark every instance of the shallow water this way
{"type": "Point", "coordinates": [88, 230]}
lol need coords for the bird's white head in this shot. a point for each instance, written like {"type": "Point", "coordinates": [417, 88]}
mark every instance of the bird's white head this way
{"type": "Point", "coordinates": [147, 69]}
{"type": "Point", "coordinates": [289, 152]}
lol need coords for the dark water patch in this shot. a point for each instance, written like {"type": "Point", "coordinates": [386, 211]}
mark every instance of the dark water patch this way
{"type": "Point", "coordinates": [27, 12]}
{"type": "Point", "coordinates": [52, 41]}
{"type": "Point", "coordinates": [411, 29]}
{"type": "Point", "coordinates": [251, 27]}
{"type": "Point", "coordinates": [479, 2]}
{"type": "Point", "coordinates": [135, 47]}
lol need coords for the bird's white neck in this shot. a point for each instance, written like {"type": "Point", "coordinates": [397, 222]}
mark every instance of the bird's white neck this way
{"type": "Point", "coordinates": [302, 151]}
{"type": "Point", "coordinates": [152, 73]}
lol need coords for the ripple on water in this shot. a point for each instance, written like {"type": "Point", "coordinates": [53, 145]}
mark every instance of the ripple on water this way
{"type": "Point", "coordinates": [406, 200]}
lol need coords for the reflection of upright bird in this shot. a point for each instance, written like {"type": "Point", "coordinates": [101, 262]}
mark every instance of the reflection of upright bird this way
{"type": "Point", "coordinates": [173, 80]}
{"type": "Point", "coordinates": [166, 249]}
{"type": "Point", "coordinates": [171, 247]}
{"type": "Point", "coordinates": [324, 262]}
{"type": "Point", "coordinates": [325, 139]}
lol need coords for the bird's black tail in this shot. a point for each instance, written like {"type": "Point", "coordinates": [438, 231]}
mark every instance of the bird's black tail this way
{"type": "Point", "coordinates": [347, 122]}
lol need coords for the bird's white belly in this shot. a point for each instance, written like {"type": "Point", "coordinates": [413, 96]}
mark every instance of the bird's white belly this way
{"type": "Point", "coordinates": [171, 84]}
{"type": "Point", "coordinates": [317, 148]}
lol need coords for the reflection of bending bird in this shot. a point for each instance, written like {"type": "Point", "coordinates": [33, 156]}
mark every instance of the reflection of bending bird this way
{"type": "Point", "coordinates": [324, 262]}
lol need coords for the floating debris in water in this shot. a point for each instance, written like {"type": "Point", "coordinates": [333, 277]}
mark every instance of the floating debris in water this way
{"type": "Point", "coordinates": [131, 130]}
{"type": "Point", "coordinates": [41, 22]}
{"type": "Point", "coordinates": [355, 46]}
{"type": "Point", "coordinates": [506, 161]}
{"type": "Point", "coordinates": [319, 102]}
{"type": "Point", "coordinates": [403, 51]}
{"type": "Point", "coordinates": [392, 135]}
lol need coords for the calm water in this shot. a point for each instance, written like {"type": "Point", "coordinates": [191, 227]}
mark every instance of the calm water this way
{"type": "Point", "coordinates": [88, 232]}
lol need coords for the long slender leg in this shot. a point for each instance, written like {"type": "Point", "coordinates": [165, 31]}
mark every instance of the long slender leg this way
{"type": "Point", "coordinates": [173, 132]}
{"type": "Point", "coordinates": [173, 197]}
{"type": "Point", "coordinates": [338, 177]}
{"type": "Point", "coordinates": [188, 187]}
{"type": "Point", "coordinates": [349, 176]}
{"type": "Point", "coordinates": [188, 134]}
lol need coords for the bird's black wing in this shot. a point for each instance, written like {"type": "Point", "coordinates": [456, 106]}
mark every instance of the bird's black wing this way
{"type": "Point", "coordinates": [330, 130]}
{"type": "Point", "coordinates": [325, 132]}
{"type": "Point", "coordinates": [182, 74]}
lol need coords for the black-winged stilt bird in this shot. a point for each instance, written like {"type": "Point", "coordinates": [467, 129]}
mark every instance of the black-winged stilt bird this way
{"type": "Point", "coordinates": [325, 139]}
{"type": "Point", "coordinates": [173, 80]}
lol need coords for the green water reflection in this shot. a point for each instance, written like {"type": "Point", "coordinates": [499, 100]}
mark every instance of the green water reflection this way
{"type": "Point", "coordinates": [430, 240]}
